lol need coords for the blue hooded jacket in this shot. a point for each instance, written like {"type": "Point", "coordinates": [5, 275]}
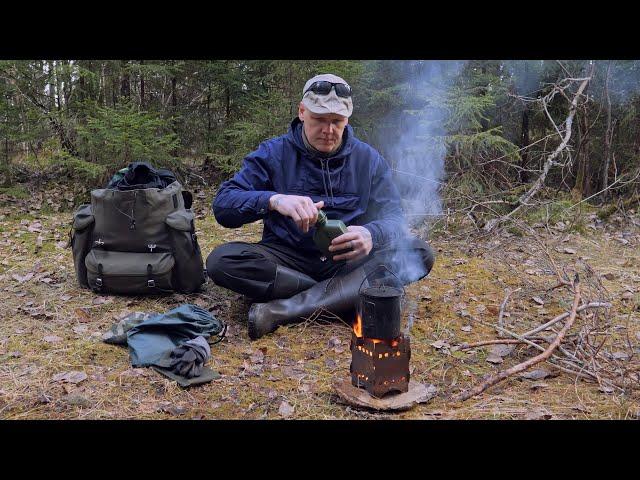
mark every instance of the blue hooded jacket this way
{"type": "Point", "coordinates": [355, 185]}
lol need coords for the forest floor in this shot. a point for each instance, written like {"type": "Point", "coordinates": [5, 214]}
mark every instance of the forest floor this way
{"type": "Point", "coordinates": [54, 365]}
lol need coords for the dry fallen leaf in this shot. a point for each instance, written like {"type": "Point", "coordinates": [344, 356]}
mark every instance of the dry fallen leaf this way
{"type": "Point", "coordinates": [70, 377]}
{"type": "Point", "coordinates": [101, 300]}
{"type": "Point", "coordinates": [538, 385]}
{"type": "Point", "coordinates": [52, 338]}
{"type": "Point", "coordinates": [538, 374]}
{"type": "Point", "coordinates": [466, 328]}
{"type": "Point", "coordinates": [83, 315]}
{"type": "Point", "coordinates": [296, 374]}
{"type": "Point", "coordinates": [257, 357]}
{"type": "Point", "coordinates": [491, 358]}
{"type": "Point", "coordinates": [80, 329]}
{"type": "Point", "coordinates": [439, 344]}
{"type": "Point", "coordinates": [502, 350]}
{"type": "Point", "coordinates": [570, 251]}
{"type": "Point", "coordinates": [35, 227]}
{"type": "Point", "coordinates": [538, 414]}
{"type": "Point", "coordinates": [538, 300]}
{"type": "Point", "coordinates": [305, 388]}
{"type": "Point", "coordinates": [253, 369]}
{"type": "Point", "coordinates": [22, 279]}
{"type": "Point", "coordinates": [174, 409]}
{"type": "Point", "coordinates": [285, 409]}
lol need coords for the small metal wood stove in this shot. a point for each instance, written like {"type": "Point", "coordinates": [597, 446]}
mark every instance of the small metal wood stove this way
{"type": "Point", "coordinates": [380, 354]}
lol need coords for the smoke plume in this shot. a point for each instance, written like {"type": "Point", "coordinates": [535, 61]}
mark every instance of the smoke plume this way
{"type": "Point", "coordinates": [416, 149]}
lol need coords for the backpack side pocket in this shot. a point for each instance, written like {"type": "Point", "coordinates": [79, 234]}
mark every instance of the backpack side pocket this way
{"type": "Point", "coordinates": [81, 241]}
{"type": "Point", "coordinates": [188, 270]}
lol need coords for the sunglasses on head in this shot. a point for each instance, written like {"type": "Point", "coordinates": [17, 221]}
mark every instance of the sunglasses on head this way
{"type": "Point", "coordinates": [323, 88]}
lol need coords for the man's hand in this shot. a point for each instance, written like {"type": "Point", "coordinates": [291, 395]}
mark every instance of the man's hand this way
{"type": "Point", "coordinates": [301, 209]}
{"type": "Point", "coordinates": [357, 239]}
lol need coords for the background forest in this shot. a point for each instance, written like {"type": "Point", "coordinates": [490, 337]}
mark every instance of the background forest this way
{"type": "Point", "coordinates": [499, 120]}
{"type": "Point", "coordinates": [522, 174]}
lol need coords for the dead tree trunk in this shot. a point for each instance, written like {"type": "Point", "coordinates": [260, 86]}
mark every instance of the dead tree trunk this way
{"type": "Point", "coordinates": [526, 197]}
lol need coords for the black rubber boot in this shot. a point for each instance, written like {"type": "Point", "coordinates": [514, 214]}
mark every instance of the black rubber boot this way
{"type": "Point", "coordinates": [338, 295]}
{"type": "Point", "coordinates": [288, 282]}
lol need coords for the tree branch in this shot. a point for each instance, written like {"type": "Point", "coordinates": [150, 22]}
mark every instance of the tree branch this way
{"type": "Point", "coordinates": [532, 361]}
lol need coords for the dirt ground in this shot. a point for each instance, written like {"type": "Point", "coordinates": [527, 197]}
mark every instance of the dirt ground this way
{"type": "Point", "coordinates": [50, 327]}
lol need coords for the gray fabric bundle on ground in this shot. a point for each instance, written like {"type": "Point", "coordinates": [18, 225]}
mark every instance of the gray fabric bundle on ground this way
{"type": "Point", "coordinates": [185, 364]}
{"type": "Point", "coordinates": [190, 357]}
{"type": "Point", "coordinates": [153, 339]}
{"type": "Point", "coordinates": [174, 343]}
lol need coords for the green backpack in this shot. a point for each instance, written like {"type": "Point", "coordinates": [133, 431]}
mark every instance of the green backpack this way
{"type": "Point", "coordinates": [137, 242]}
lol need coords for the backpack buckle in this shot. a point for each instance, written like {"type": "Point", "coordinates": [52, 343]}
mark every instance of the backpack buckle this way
{"type": "Point", "coordinates": [99, 282]}
{"type": "Point", "coordinates": [151, 283]}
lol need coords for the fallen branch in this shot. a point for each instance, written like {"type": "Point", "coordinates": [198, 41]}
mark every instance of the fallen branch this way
{"type": "Point", "coordinates": [466, 346]}
{"type": "Point", "coordinates": [563, 316]}
{"type": "Point", "coordinates": [531, 362]}
{"type": "Point", "coordinates": [505, 341]}
{"type": "Point", "coordinates": [535, 345]}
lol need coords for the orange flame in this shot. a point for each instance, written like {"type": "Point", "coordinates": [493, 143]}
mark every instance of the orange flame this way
{"type": "Point", "coordinates": [357, 327]}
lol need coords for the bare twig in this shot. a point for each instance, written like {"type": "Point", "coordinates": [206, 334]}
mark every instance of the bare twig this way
{"type": "Point", "coordinates": [505, 341]}
{"type": "Point", "coordinates": [533, 361]}
{"type": "Point", "coordinates": [565, 315]}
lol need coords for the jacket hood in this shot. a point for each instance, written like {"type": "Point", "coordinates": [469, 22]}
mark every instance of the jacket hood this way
{"type": "Point", "coordinates": [294, 135]}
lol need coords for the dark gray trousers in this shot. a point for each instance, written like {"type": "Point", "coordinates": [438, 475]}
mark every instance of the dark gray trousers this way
{"type": "Point", "coordinates": [250, 268]}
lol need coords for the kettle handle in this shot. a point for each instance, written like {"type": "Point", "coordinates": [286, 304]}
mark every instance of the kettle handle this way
{"type": "Point", "coordinates": [375, 270]}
